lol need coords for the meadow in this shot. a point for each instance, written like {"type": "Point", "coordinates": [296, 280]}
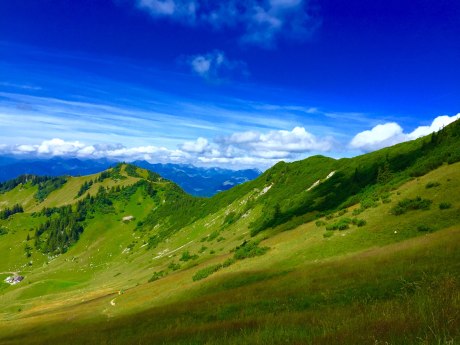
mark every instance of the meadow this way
{"type": "Point", "coordinates": [393, 280]}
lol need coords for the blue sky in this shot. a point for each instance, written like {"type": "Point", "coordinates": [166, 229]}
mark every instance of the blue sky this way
{"type": "Point", "coordinates": [237, 84]}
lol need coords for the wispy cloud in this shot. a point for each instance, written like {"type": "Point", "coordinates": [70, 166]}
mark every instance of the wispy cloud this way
{"type": "Point", "coordinates": [215, 66]}
{"type": "Point", "coordinates": [163, 124]}
{"type": "Point", "coordinates": [20, 86]}
{"type": "Point", "coordinates": [263, 21]}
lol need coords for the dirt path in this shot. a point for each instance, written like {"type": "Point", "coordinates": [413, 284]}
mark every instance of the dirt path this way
{"type": "Point", "coordinates": [172, 251]}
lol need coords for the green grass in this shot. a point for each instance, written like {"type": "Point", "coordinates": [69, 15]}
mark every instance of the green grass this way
{"type": "Point", "coordinates": [334, 302]}
{"type": "Point", "coordinates": [386, 279]}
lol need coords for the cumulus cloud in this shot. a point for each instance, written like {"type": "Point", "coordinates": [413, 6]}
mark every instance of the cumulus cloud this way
{"type": "Point", "coordinates": [237, 150]}
{"type": "Point", "coordinates": [437, 124]}
{"type": "Point", "coordinates": [392, 133]}
{"type": "Point", "coordinates": [215, 66]}
{"type": "Point", "coordinates": [59, 147]}
{"type": "Point", "coordinates": [380, 136]}
{"type": "Point", "coordinates": [262, 21]}
{"type": "Point", "coordinates": [199, 146]}
{"type": "Point", "coordinates": [297, 140]}
{"type": "Point", "coordinates": [241, 149]}
{"type": "Point", "coordinates": [53, 147]}
{"type": "Point", "coordinates": [279, 144]}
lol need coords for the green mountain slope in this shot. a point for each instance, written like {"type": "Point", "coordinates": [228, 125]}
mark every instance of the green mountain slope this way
{"type": "Point", "coordinates": [327, 251]}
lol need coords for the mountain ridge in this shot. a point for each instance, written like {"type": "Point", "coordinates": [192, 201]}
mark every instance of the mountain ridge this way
{"type": "Point", "coordinates": [198, 181]}
{"type": "Point", "coordinates": [269, 250]}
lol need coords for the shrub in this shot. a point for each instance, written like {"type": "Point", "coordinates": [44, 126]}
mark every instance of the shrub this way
{"type": "Point", "coordinates": [173, 266]}
{"type": "Point", "coordinates": [411, 204]}
{"type": "Point", "coordinates": [202, 249]}
{"type": "Point", "coordinates": [343, 226]}
{"type": "Point", "coordinates": [432, 184]}
{"type": "Point", "coordinates": [231, 218]}
{"type": "Point", "coordinates": [320, 223]}
{"type": "Point", "coordinates": [186, 256]}
{"type": "Point", "coordinates": [249, 249]}
{"type": "Point", "coordinates": [206, 272]}
{"type": "Point", "coordinates": [424, 228]}
{"type": "Point", "coordinates": [156, 276]}
{"type": "Point", "coordinates": [368, 203]}
{"type": "Point", "coordinates": [328, 234]}
{"type": "Point", "coordinates": [444, 205]}
{"type": "Point", "coordinates": [331, 227]}
{"type": "Point", "coordinates": [213, 235]}
{"type": "Point", "coordinates": [342, 212]}
{"type": "Point", "coordinates": [361, 222]}
{"type": "Point", "coordinates": [229, 262]}
{"type": "Point", "coordinates": [3, 230]}
{"type": "Point", "coordinates": [357, 211]}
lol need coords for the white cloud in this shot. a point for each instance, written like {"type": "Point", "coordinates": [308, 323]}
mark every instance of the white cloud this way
{"type": "Point", "coordinates": [87, 151]}
{"type": "Point", "coordinates": [23, 148]}
{"type": "Point", "coordinates": [263, 21]}
{"type": "Point", "coordinates": [59, 147]}
{"type": "Point", "coordinates": [297, 140]}
{"type": "Point", "coordinates": [380, 136]}
{"type": "Point", "coordinates": [392, 133]}
{"type": "Point", "coordinates": [277, 144]}
{"type": "Point", "coordinates": [437, 124]}
{"type": "Point", "coordinates": [215, 66]}
{"type": "Point", "coordinates": [238, 150]}
{"type": "Point", "coordinates": [159, 7]}
{"type": "Point", "coordinates": [253, 148]}
{"type": "Point", "coordinates": [199, 146]}
{"type": "Point", "coordinates": [243, 137]}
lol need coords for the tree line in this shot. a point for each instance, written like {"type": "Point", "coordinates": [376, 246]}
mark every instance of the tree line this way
{"type": "Point", "coordinates": [7, 212]}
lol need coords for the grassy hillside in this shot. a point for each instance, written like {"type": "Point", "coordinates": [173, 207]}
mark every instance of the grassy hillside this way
{"type": "Point", "coordinates": [321, 251]}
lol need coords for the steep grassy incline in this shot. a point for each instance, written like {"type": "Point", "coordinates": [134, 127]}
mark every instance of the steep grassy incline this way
{"type": "Point", "coordinates": [128, 248]}
{"type": "Point", "coordinates": [291, 194]}
{"type": "Point", "coordinates": [394, 279]}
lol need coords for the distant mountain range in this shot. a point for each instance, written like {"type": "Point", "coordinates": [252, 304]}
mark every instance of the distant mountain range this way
{"type": "Point", "coordinates": [201, 181]}
{"type": "Point", "coordinates": [194, 180]}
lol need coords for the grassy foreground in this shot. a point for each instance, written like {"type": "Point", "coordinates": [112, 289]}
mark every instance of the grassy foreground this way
{"type": "Point", "coordinates": [395, 280]}
{"type": "Point", "coordinates": [405, 293]}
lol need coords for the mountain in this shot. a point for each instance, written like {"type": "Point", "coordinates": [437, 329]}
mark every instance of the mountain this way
{"type": "Point", "coordinates": [201, 181]}
{"type": "Point", "coordinates": [194, 180]}
{"type": "Point", "coordinates": [11, 167]}
{"type": "Point", "coordinates": [320, 251]}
